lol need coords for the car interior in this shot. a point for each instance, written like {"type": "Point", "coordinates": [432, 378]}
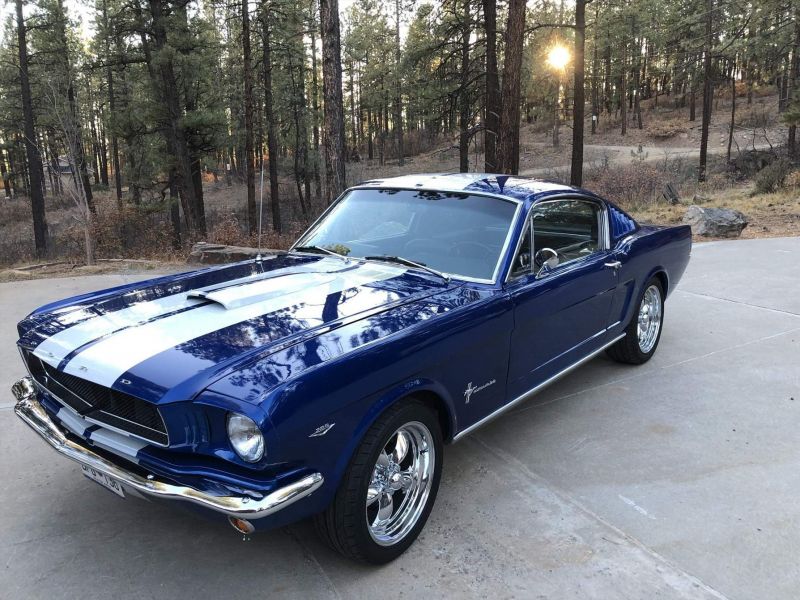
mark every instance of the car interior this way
{"type": "Point", "coordinates": [563, 231]}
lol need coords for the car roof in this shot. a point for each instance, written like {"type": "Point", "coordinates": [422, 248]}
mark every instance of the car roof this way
{"type": "Point", "coordinates": [515, 187]}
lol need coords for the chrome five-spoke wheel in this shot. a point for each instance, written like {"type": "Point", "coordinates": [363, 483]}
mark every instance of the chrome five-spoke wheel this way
{"type": "Point", "coordinates": [390, 485]}
{"type": "Point", "coordinates": [644, 327]}
{"type": "Point", "coordinates": [401, 479]}
{"type": "Point", "coordinates": [649, 323]}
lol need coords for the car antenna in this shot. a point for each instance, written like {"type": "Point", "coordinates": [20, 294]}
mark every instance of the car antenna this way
{"type": "Point", "coordinates": [260, 209]}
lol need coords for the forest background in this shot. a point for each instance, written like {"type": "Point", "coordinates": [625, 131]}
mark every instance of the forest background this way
{"type": "Point", "coordinates": [134, 128]}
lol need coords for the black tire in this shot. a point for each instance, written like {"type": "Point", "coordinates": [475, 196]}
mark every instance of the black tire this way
{"type": "Point", "coordinates": [628, 349]}
{"type": "Point", "coordinates": [343, 525]}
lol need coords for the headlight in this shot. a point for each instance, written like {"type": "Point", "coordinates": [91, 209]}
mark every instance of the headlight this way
{"type": "Point", "coordinates": [245, 437]}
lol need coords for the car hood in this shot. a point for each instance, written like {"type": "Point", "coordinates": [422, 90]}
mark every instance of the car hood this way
{"type": "Point", "coordinates": [164, 340]}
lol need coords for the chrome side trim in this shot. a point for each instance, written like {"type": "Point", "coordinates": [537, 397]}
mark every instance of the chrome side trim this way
{"type": "Point", "coordinates": [30, 410]}
{"type": "Point", "coordinates": [532, 392]}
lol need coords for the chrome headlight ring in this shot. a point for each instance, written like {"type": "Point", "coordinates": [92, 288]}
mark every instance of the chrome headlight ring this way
{"type": "Point", "coordinates": [245, 437]}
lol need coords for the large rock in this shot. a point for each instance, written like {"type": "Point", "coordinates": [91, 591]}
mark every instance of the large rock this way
{"type": "Point", "coordinates": [204, 253]}
{"type": "Point", "coordinates": [715, 222]}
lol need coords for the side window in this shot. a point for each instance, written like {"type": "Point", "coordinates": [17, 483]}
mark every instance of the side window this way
{"type": "Point", "coordinates": [571, 228]}
{"type": "Point", "coordinates": [522, 262]}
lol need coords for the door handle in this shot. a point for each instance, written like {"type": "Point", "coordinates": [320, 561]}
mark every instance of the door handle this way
{"type": "Point", "coordinates": [614, 264]}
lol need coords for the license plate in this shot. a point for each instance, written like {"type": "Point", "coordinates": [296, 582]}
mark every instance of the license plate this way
{"type": "Point", "coordinates": [104, 480]}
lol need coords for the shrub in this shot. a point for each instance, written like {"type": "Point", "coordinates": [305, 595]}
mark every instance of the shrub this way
{"type": "Point", "coordinates": [630, 185]}
{"type": "Point", "coordinates": [757, 117]}
{"type": "Point", "coordinates": [772, 177]}
{"type": "Point", "coordinates": [793, 179]}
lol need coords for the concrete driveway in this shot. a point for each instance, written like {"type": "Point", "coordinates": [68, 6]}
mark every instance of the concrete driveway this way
{"type": "Point", "coordinates": [677, 479]}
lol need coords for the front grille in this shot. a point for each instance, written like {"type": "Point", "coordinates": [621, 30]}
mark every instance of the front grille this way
{"type": "Point", "coordinates": [101, 404]}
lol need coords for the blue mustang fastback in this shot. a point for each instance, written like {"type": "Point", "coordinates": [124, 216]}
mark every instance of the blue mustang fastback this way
{"type": "Point", "coordinates": [325, 380]}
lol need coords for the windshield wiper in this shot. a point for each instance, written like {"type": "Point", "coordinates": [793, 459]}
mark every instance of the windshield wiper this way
{"type": "Point", "coordinates": [409, 263]}
{"type": "Point", "coordinates": [318, 250]}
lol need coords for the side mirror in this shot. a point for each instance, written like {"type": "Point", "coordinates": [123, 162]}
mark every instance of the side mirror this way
{"type": "Point", "coordinates": [545, 261]}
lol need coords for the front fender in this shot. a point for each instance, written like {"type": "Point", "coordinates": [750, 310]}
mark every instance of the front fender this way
{"type": "Point", "coordinates": [374, 406]}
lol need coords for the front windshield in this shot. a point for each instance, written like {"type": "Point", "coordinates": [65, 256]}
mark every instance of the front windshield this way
{"type": "Point", "coordinates": [453, 232]}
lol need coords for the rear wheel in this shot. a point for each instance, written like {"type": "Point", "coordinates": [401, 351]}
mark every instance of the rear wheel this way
{"type": "Point", "coordinates": [644, 331]}
{"type": "Point", "coordinates": [389, 487]}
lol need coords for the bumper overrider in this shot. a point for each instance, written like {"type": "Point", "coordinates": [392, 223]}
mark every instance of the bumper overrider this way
{"type": "Point", "coordinates": [29, 409]}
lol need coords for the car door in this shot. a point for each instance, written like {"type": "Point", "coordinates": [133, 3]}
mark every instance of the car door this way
{"type": "Point", "coordinates": [561, 308]}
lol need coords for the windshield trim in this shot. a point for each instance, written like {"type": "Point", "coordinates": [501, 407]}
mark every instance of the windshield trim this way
{"type": "Point", "coordinates": [503, 251]}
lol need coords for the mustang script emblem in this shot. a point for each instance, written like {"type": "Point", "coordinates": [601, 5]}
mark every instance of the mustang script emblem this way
{"type": "Point", "coordinates": [474, 390]}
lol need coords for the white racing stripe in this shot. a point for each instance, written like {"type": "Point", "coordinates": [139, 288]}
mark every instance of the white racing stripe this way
{"type": "Point", "coordinates": [266, 289]}
{"type": "Point", "coordinates": [57, 347]}
{"type": "Point", "coordinates": [105, 361]}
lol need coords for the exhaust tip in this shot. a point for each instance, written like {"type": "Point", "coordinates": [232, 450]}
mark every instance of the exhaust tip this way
{"type": "Point", "coordinates": [243, 526]}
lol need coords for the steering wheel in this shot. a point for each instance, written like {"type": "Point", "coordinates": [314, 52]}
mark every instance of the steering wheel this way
{"type": "Point", "coordinates": [470, 250]}
{"type": "Point", "coordinates": [545, 256]}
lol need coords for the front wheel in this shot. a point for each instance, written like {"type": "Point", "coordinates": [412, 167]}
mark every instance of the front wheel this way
{"type": "Point", "coordinates": [644, 331]}
{"type": "Point", "coordinates": [389, 488]}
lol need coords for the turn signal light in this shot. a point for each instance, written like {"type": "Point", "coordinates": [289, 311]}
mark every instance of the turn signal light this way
{"type": "Point", "coordinates": [242, 525]}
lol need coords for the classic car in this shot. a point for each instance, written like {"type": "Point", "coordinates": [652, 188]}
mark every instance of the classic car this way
{"type": "Point", "coordinates": [324, 381]}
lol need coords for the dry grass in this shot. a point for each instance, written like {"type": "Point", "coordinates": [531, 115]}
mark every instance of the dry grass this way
{"type": "Point", "coordinates": [769, 215]}
{"type": "Point", "coordinates": [66, 269]}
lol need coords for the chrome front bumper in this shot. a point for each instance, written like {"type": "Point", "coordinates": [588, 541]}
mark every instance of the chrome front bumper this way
{"type": "Point", "coordinates": [30, 410]}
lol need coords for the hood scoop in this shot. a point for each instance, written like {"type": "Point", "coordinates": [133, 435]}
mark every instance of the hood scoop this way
{"type": "Point", "coordinates": [263, 290]}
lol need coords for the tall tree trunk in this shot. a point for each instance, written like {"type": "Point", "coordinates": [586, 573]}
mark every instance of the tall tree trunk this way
{"type": "Point", "coordinates": [556, 113]}
{"type": "Point", "coordinates": [190, 105]}
{"type": "Point", "coordinates": [795, 65]}
{"type": "Point", "coordinates": [353, 123]}
{"type": "Point", "coordinates": [708, 91]}
{"type": "Point", "coordinates": [623, 87]}
{"type": "Point", "coordinates": [508, 138]}
{"type": "Point", "coordinates": [492, 122]}
{"type": "Point", "coordinates": [52, 155]}
{"type": "Point", "coordinates": [103, 150]}
{"type": "Point", "coordinates": [115, 162]}
{"type": "Point", "coordinates": [576, 171]}
{"type": "Point", "coordinates": [40, 142]}
{"type": "Point", "coordinates": [174, 210]}
{"type": "Point", "coordinates": [607, 100]}
{"type": "Point", "coordinates": [301, 127]}
{"type": "Point", "coordinates": [97, 162]}
{"type": "Point", "coordinates": [637, 76]}
{"type": "Point", "coordinates": [370, 148]}
{"type": "Point", "coordinates": [298, 103]}
{"type": "Point", "coordinates": [463, 94]}
{"type": "Point", "coordinates": [175, 129]}
{"type": "Point", "coordinates": [4, 174]}
{"type": "Point", "coordinates": [398, 91]}
{"type": "Point", "coordinates": [595, 74]}
{"type": "Point", "coordinates": [80, 154]}
{"type": "Point", "coordinates": [332, 92]}
{"type": "Point", "coordinates": [733, 110]}
{"type": "Point", "coordinates": [247, 74]}
{"type": "Point", "coordinates": [31, 148]}
{"type": "Point", "coordinates": [315, 101]}
{"type": "Point", "coordinates": [269, 113]}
